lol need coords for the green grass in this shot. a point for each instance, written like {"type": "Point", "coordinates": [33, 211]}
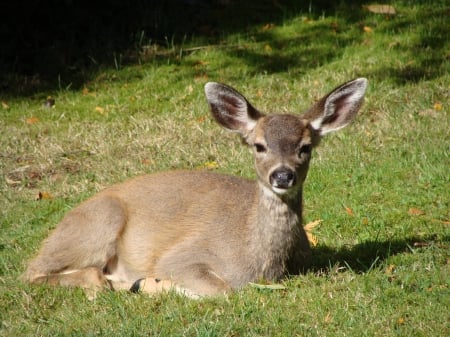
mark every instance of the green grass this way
{"type": "Point", "coordinates": [381, 268]}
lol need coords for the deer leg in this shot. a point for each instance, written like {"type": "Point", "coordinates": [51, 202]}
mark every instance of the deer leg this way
{"type": "Point", "coordinates": [81, 246]}
{"type": "Point", "coordinates": [195, 281]}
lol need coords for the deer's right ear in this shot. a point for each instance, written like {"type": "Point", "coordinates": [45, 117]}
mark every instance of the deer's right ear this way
{"type": "Point", "coordinates": [230, 109]}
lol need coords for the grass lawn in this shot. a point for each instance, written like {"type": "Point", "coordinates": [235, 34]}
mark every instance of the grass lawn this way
{"type": "Point", "coordinates": [381, 186]}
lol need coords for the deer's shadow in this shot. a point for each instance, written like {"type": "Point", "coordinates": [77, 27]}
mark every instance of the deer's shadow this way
{"type": "Point", "coordinates": [368, 255]}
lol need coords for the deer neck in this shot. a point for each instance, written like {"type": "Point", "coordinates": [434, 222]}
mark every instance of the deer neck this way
{"type": "Point", "coordinates": [278, 223]}
{"type": "Point", "coordinates": [280, 212]}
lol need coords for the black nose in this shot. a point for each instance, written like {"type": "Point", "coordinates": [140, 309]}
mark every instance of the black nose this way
{"type": "Point", "coordinates": [282, 178]}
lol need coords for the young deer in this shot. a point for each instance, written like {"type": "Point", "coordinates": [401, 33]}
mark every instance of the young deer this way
{"type": "Point", "coordinates": [201, 233]}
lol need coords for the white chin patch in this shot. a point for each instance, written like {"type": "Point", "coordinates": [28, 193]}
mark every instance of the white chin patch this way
{"type": "Point", "coordinates": [269, 191]}
{"type": "Point", "coordinates": [279, 190]}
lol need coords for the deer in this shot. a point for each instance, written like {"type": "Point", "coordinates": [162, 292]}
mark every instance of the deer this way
{"type": "Point", "coordinates": [199, 232]}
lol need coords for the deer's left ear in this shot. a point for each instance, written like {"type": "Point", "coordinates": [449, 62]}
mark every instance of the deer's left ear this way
{"type": "Point", "coordinates": [337, 109]}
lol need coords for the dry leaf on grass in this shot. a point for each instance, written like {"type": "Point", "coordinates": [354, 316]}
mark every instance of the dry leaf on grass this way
{"type": "Point", "coordinates": [44, 195]}
{"type": "Point", "coordinates": [313, 240]}
{"type": "Point", "coordinates": [32, 120]}
{"type": "Point", "coordinates": [349, 211]}
{"type": "Point", "coordinates": [415, 211]}
{"type": "Point", "coordinates": [211, 165]}
{"type": "Point", "coordinates": [99, 109]}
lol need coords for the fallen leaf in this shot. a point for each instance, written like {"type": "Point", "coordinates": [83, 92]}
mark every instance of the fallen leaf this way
{"type": "Point", "coordinates": [390, 269]}
{"type": "Point", "coordinates": [367, 29]}
{"type": "Point", "coordinates": [437, 106]}
{"type": "Point", "coordinates": [381, 9]}
{"type": "Point", "coordinates": [211, 165]}
{"type": "Point", "coordinates": [415, 211]}
{"type": "Point", "coordinates": [100, 110]}
{"type": "Point", "coordinates": [44, 195]}
{"type": "Point", "coordinates": [401, 320]}
{"type": "Point", "coordinates": [349, 211]}
{"type": "Point", "coordinates": [32, 120]}
{"type": "Point", "coordinates": [365, 221]}
{"type": "Point", "coordinates": [311, 225]}
{"type": "Point", "coordinates": [5, 105]}
{"type": "Point", "coordinates": [85, 91]}
{"type": "Point", "coordinates": [313, 240]}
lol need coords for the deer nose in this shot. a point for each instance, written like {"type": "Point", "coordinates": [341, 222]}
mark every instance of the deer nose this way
{"type": "Point", "coordinates": [283, 177]}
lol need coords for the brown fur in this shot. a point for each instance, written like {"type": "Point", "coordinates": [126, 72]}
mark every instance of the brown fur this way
{"type": "Point", "coordinates": [199, 232]}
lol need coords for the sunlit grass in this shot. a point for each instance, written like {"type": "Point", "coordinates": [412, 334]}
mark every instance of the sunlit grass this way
{"type": "Point", "coordinates": [380, 186]}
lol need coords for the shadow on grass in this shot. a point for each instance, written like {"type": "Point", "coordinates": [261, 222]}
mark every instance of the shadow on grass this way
{"type": "Point", "coordinates": [368, 255]}
{"type": "Point", "coordinates": [428, 53]}
{"type": "Point", "coordinates": [61, 44]}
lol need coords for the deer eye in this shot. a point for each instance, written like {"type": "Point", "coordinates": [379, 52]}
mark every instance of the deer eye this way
{"type": "Point", "coordinates": [305, 149]}
{"type": "Point", "coordinates": [260, 148]}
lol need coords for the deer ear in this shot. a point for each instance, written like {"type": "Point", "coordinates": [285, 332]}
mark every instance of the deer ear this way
{"type": "Point", "coordinates": [230, 109]}
{"type": "Point", "coordinates": [337, 109]}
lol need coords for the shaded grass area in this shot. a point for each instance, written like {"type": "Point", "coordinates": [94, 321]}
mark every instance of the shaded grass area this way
{"type": "Point", "coordinates": [60, 44]}
{"type": "Point", "coordinates": [380, 187]}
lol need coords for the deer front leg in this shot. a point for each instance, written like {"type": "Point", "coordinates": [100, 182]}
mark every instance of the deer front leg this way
{"type": "Point", "coordinates": [195, 281]}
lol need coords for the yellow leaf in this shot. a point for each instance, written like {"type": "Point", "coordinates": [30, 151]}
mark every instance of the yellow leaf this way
{"type": "Point", "coordinates": [100, 110]}
{"type": "Point", "coordinates": [45, 195]}
{"type": "Point", "coordinates": [367, 29]}
{"type": "Point", "coordinates": [211, 165]}
{"type": "Point", "coordinates": [437, 106]}
{"type": "Point", "coordinates": [365, 221]}
{"type": "Point", "coordinates": [32, 120]}
{"type": "Point", "coordinates": [390, 269]}
{"type": "Point", "coordinates": [85, 91]}
{"type": "Point", "coordinates": [5, 105]}
{"type": "Point", "coordinates": [310, 226]}
{"type": "Point", "coordinates": [415, 211]}
{"type": "Point", "coordinates": [313, 240]}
